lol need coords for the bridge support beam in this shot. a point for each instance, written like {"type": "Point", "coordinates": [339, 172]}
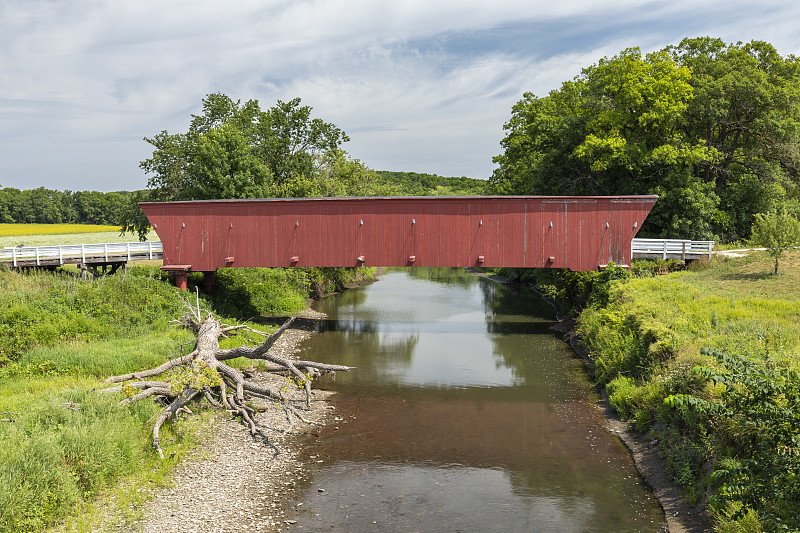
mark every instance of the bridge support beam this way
{"type": "Point", "coordinates": [208, 281]}
{"type": "Point", "coordinates": [181, 273]}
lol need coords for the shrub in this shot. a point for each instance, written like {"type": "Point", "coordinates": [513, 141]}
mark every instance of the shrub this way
{"type": "Point", "coordinates": [758, 409]}
{"type": "Point", "coordinates": [253, 292]}
{"type": "Point", "coordinates": [45, 309]}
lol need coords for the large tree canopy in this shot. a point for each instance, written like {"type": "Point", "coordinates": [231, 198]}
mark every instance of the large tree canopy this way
{"type": "Point", "coordinates": [711, 128]}
{"type": "Point", "coordinates": [237, 150]}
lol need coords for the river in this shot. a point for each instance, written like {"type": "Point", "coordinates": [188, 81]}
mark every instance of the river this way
{"type": "Point", "coordinates": [467, 412]}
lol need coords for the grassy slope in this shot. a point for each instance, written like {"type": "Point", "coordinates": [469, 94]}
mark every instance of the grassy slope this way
{"type": "Point", "coordinates": [647, 340]}
{"type": "Point", "coordinates": [735, 305]}
{"type": "Point", "coordinates": [60, 337]}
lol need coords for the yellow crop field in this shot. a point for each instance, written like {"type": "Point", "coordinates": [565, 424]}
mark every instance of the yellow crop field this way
{"type": "Point", "coordinates": [14, 230]}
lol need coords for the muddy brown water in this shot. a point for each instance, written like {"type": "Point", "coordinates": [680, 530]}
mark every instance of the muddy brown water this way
{"type": "Point", "coordinates": [466, 413]}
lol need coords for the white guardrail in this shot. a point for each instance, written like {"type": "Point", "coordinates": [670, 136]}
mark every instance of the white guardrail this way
{"type": "Point", "coordinates": [132, 251]}
{"type": "Point", "coordinates": [671, 248]}
{"type": "Point", "coordinates": [83, 253]}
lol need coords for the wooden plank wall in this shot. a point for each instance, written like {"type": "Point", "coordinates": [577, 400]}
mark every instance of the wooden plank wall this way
{"type": "Point", "coordinates": [580, 233]}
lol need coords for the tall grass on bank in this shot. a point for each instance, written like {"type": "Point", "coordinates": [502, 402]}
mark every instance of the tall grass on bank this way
{"type": "Point", "coordinates": [732, 305]}
{"type": "Point", "coordinates": [61, 336]}
{"type": "Point", "coordinates": [64, 442]}
{"type": "Point", "coordinates": [61, 450]}
{"type": "Point", "coordinates": [727, 414]}
{"type": "Point", "coordinates": [45, 309]}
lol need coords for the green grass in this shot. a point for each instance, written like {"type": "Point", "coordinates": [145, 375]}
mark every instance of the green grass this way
{"type": "Point", "coordinates": [56, 459]}
{"type": "Point", "coordinates": [71, 238]}
{"type": "Point", "coordinates": [67, 444]}
{"type": "Point", "coordinates": [646, 342]}
{"type": "Point", "coordinates": [733, 305]}
{"type": "Point", "coordinates": [44, 309]}
{"type": "Point", "coordinates": [114, 356]}
{"type": "Point", "coordinates": [65, 441]}
{"type": "Point", "coordinates": [61, 336]}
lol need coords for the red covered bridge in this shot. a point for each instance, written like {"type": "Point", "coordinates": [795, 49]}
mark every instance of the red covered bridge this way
{"type": "Point", "coordinates": [579, 233]}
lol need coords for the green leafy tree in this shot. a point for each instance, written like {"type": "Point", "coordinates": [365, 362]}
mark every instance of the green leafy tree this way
{"type": "Point", "coordinates": [5, 206]}
{"type": "Point", "coordinates": [712, 129]}
{"type": "Point", "coordinates": [615, 129]}
{"type": "Point", "coordinates": [238, 150]}
{"type": "Point", "coordinates": [235, 150]}
{"type": "Point", "coordinates": [746, 107]}
{"type": "Point", "coordinates": [334, 174]}
{"type": "Point", "coordinates": [776, 231]}
{"type": "Point", "coordinates": [417, 184]}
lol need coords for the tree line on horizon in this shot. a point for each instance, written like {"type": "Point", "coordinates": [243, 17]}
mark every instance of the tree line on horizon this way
{"type": "Point", "coordinates": [47, 206]}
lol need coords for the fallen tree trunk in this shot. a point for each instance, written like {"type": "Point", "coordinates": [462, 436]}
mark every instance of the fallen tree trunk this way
{"type": "Point", "coordinates": [202, 374]}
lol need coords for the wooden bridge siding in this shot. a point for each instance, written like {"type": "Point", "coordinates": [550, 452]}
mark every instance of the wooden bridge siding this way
{"type": "Point", "coordinates": [627, 221]}
{"type": "Point", "coordinates": [515, 231]}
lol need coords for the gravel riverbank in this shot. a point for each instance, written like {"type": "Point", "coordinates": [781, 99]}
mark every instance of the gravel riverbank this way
{"type": "Point", "coordinates": [235, 482]}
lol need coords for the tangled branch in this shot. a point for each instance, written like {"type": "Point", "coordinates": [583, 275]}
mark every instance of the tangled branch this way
{"type": "Point", "coordinates": [202, 374]}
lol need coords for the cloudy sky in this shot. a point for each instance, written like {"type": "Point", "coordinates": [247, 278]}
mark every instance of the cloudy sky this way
{"type": "Point", "coordinates": [422, 86]}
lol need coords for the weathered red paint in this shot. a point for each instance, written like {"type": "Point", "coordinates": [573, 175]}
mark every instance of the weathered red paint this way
{"type": "Point", "coordinates": [579, 233]}
{"type": "Point", "coordinates": [181, 273]}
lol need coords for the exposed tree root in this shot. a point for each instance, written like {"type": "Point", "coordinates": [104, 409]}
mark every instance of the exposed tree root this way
{"type": "Point", "coordinates": [202, 374]}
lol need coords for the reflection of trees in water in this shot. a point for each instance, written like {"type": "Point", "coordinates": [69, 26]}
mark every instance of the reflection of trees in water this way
{"type": "Point", "coordinates": [349, 326]}
{"type": "Point", "coordinates": [349, 298]}
{"type": "Point", "coordinates": [514, 315]}
{"type": "Point", "coordinates": [452, 276]}
{"type": "Point", "coordinates": [519, 321]}
{"type": "Point", "coordinates": [514, 300]}
{"type": "Point", "coordinates": [596, 502]}
{"type": "Point", "coordinates": [577, 511]}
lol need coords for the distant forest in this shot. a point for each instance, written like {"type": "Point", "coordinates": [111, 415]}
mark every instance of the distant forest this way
{"type": "Point", "coordinates": [45, 206]}
{"type": "Point", "coordinates": [416, 184]}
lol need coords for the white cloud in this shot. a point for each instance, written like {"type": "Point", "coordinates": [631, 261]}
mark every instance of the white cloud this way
{"type": "Point", "coordinates": [422, 86]}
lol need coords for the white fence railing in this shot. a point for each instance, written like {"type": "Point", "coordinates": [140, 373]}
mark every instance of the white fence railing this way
{"type": "Point", "coordinates": [132, 251]}
{"type": "Point", "coordinates": [81, 253]}
{"type": "Point", "coordinates": [671, 248]}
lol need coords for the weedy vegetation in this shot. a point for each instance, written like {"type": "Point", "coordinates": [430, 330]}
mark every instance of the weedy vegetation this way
{"type": "Point", "coordinates": [62, 443]}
